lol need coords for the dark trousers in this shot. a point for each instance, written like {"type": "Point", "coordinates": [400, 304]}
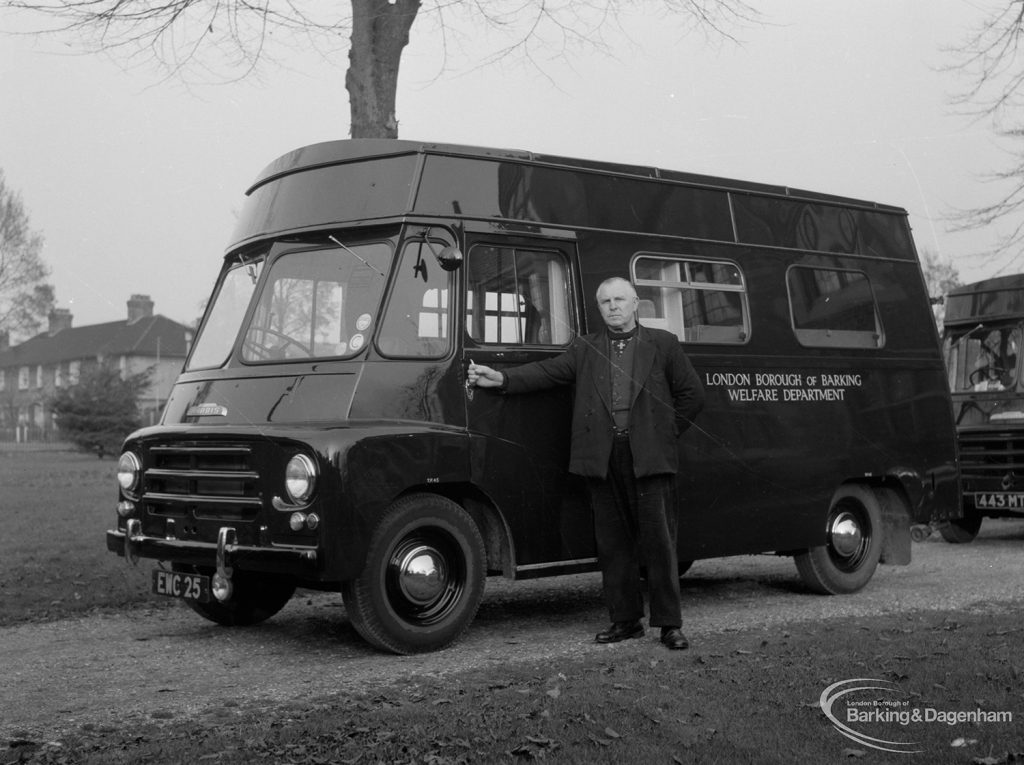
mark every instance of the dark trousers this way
{"type": "Point", "coordinates": [634, 523]}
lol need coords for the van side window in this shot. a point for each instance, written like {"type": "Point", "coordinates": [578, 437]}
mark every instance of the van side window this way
{"type": "Point", "coordinates": [833, 308]}
{"type": "Point", "coordinates": [518, 297]}
{"type": "Point", "coordinates": [701, 301]}
{"type": "Point", "coordinates": [416, 320]}
{"type": "Point", "coordinates": [218, 334]}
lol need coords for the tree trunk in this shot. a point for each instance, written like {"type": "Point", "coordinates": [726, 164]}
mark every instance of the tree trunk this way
{"type": "Point", "coordinates": [380, 32]}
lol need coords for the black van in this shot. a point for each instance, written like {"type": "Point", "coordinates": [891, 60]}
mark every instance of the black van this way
{"type": "Point", "coordinates": [983, 340]}
{"type": "Point", "coordinates": [322, 434]}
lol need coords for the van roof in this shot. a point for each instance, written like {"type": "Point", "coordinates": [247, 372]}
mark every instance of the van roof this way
{"type": "Point", "coordinates": [1009, 282]}
{"type": "Point", "coordinates": [339, 152]}
{"type": "Point", "coordinates": [996, 299]}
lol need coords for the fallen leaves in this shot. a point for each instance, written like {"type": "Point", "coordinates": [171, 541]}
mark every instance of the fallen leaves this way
{"type": "Point", "coordinates": [535, 748]}
{"type": "Point", "coordinates": [1003, 759]}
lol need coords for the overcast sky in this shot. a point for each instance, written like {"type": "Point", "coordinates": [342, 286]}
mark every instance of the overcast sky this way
{"type": "Point", "coordinates": [134, 182]}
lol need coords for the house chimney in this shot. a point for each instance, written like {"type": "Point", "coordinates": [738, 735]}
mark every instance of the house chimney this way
{"type": "Point", "coordinates": [60, 318]}
{"type": "Point", "coordinates": [5, 341]}
{"type": "Point", "coordinates": [139, 307]}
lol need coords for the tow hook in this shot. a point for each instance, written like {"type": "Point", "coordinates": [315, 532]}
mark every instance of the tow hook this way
{"type": "Point", "coordinates": [221, 585]}
{"type": "Point", "coordinates": [920, 532]}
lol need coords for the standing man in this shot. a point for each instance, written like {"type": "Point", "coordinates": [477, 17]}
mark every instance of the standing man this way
{"type": "Point", "coordinates": [636, 392]}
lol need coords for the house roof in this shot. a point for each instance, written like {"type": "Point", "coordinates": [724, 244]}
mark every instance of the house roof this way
{"type": "Point", "coordinates": [154, 336]}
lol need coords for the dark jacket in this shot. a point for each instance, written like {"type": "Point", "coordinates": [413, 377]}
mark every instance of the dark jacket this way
{"type": "Point", "coordinates": [667, 395]}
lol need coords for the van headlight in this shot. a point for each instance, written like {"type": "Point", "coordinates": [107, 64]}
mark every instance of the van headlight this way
{"type": "Point", "coordinates": [300, 478]}
{"type": "Point", "coordinates": [129, 473]}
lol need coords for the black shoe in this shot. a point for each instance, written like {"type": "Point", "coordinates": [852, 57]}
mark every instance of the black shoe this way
{"type": "Point", "coordinates": [674, 638]}
{"type": "Point", "coordinates": [621, 631]}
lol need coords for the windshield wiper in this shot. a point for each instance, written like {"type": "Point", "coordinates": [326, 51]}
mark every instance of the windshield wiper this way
{"type": "Point", "coordinates": [966, 335]}
{"type": "Point", "coordinates": [356, 255]}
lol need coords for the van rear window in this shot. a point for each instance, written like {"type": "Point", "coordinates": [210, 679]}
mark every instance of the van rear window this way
{"type": "Point", "coordinates": [700, 301]}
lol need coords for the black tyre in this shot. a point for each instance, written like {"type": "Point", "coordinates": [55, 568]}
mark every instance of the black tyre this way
{"type": "Point", "coordinates": [847, 560]}
{"type": "Point", "coordinates": [963, 530]}
{"type": "Point", "coordinates": [423, 578]}
{"type": "Point", "coordinates": [255, 598]}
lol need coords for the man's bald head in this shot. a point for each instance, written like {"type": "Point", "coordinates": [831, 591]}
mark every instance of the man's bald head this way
{"type": "Point", "coordinates": [618, 303]}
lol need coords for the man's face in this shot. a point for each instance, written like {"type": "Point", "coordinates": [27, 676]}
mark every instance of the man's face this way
{"type": "Point", "coordinates": [618, 303]}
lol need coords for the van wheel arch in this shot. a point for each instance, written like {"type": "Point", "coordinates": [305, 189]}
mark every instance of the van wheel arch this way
{"type": "Point", "coordinates": [493, 526]}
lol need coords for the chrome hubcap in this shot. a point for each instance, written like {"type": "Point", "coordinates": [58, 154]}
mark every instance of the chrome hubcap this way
{"type": "Point", "coordinates": [421, 574]}
{"type": "Point", "coordinates": [426, 578]}
{"type": "Point", "coordinates": [846, 535]}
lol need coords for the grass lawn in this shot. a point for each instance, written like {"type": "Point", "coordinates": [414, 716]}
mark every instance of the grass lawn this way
{"type": "Point", "coordinates": [56, 508]}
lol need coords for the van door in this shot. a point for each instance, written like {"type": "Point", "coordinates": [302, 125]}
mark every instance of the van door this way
{"type": "Point", "coordinates": [521, 306]}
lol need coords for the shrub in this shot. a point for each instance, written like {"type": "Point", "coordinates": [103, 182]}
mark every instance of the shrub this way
{"type": "Point", "coordinates": [101, 410]}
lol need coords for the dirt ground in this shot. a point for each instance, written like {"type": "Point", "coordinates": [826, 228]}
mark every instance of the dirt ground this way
{"type": "Point", "coordinates": [168, 664]}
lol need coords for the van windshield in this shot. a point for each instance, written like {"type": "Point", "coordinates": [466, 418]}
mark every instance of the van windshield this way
{"type": "Point", "coordinates": [313, 303]}
{"type": "Point", "coordinates": [984, 359]}
{"type": "Point", "coordinates": [318, 303]}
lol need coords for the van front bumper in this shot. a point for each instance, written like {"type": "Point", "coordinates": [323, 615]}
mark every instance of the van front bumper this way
{"type": "Point", "coordinates": [132, 544]}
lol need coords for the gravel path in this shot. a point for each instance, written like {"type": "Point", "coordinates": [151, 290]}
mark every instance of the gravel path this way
{"type": "Point", "coordinates": [168, 664]}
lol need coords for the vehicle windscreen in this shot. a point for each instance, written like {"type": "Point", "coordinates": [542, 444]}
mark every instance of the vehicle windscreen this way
{"type": "Point", "coordinates": [318, 303]}
{"type": "Point", "coordinates": [984, 359]}
{"type": "Point", "coordinates": [313, 303]}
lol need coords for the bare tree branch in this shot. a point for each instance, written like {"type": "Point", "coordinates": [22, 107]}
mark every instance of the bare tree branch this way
{"type": "Point", "coordinates": [227, 40]}
{"type": "Point", "coordinates": [238, 33]}
{"type": "Point", "coordinates": [25, 298]}
{"type": "Point", "coordinates": [991, 60]}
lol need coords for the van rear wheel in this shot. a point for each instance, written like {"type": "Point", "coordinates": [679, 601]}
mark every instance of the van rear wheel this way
{"type": "Point", "coordinates": [853, 544]}
{"type": "Point", "coordinates": [423, 579]}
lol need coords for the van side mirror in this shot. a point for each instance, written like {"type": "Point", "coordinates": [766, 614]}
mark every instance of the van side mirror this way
{"type": "Point", "coordinates": [449, 258]}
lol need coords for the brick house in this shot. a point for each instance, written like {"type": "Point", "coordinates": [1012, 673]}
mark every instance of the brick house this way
{"type": "Point", "coordinates": [31, 371]}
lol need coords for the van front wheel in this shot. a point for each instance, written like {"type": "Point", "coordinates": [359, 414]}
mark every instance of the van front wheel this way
{"type": "Point", "coordinates": [853, 544]}
{"type": "Point", "coordinates": [256, 598]}
{"type": "Point", "coordinates": [963, 530]}
{"type": "Point", "coordinates": [423, 578]}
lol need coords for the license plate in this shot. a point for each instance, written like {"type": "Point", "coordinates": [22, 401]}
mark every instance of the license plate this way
{"type": "Point", "coordinates": [174, 584]}
{"type": "Point", "coordinates": [999, 501]}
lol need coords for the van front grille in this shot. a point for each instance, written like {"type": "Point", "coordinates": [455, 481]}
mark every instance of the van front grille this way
{"type": "Point", "coordinates": [213, 482]}
{"type": "Point", "coordinates": [991, 454]}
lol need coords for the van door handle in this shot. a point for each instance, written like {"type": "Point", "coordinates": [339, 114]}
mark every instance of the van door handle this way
{"type": "Point", "coordinates": [470, 389]}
